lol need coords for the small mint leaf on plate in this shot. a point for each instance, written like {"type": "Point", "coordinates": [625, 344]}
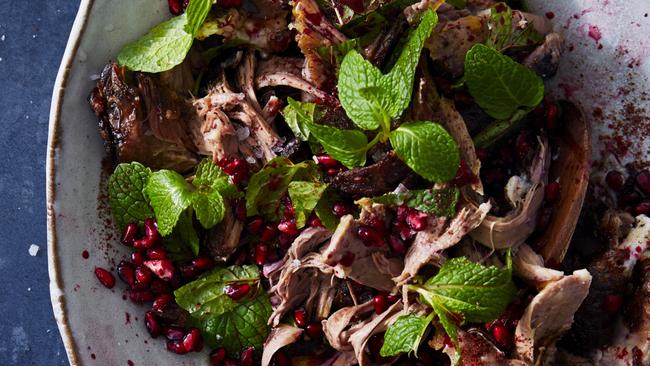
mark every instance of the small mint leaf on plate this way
{"type": "Point", "coordinates": [169, 196]}
{"type": "Point", "coordinates": [126, 194]}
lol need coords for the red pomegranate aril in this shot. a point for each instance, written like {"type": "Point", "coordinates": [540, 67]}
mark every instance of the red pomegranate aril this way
{"type": "Point", "coordinates": [145, 243]}
{"type": "Point", "coordinates": [218, 356]}
{"type": "Point", "coordinates": [240, 210]}
{"type": "Point", "coordinates": [137, 258]}
{"type": "Point", "coordinates": [642, 208]}
{"type": "Point", "coordinates": [126, 272]}
{"type": "Point", "coordinates": [643, 181]}
{"type": "Point", "coordinates": [156, 253]}
{"type": "Point", "coordinates": [615, 180]}
{"type": "Point", "coordinates": [405, 232]}
{"type": "Point", "coordinates": [237, 291]}
{"type": "Point", "coordinates": [176, 347]}
{"type": "Point", "coordinates": [502, 335]}
{"type": "Point", "coordinates": [152, 324]}
{"type": "Point", "coordinates": [285, 240]}
{"type": "Point", "coordinates": [378, 224]}
{"type": "Point", "coordinates": [370, 237]}
{"type": "Point", "coordinates": [464, 175]}
{"type": "Point", "coordinates": [143, 276]}
{"type": "Point", "coordinates": [417, 220]}
{"type": "Point", "coordinates": [202, 263]}
{"type": "Point", "coordinates": [105, 277]}
{"type": "Point", "coordinates": [300, 317]}
{"type": "Point", "coordinates": [192, 341]}
{"type": "Point", "coordinates": [188, 271]}
{"type": "Point", "coordinates": [332, 172]}
{"type": "Point", "coordinates": [391, 299]}
{"type": "Point", "coordinates": [551, 115]}
{"type": "Point", "coordinates": [314, 330]}
{"type": "Point", "coordinates": [239, 177]}
{"type": "Point", "coordinates": [163, 268]}
{"type": "Point", "coordinates": [175, 6]}
{"type": "Point", "coordinates": [340, 209]}
{"type": "Point", "coordinates": [281, 359]}
{"type": "Point", "coordinates": [174, 333]}
{"type": "Point", "coordinates": [268, 233]}
{"type": "Point", "coordinates": [288, 227]}
{"type": "Point", "coordinates": [380, 303]}
{"type": "Point", "coordinates": [159, 287]}
{"type": "Point", "coordinates": [612, 303]}
{"type": "Point", "coordinates": [328, 161]}
{"type": "Point", "coordinates": [255, 225]}
{"type": "Point", "coordinates": [229, 361]}
{"type": "Point", "coordinates": [397, 246]}
{"type": "Point", "coordinates": [261, 254]}
{"type": "Point", "coordinates": [347, 259]}
{"type": "Point", "coordinates": [139, 296]}
{"type": "Point", "coordinates": [129, 234]}
{"type": "Point", "coordinates": [402, 213]}
{"type": "Point", "coordinates": [246, 356]}
{"type": "Point", "coordinates": [161, 302]}
{"type": "Point", "coordinates": [315, 222]}
{"type": "Point", "coordinates": [552, 192]}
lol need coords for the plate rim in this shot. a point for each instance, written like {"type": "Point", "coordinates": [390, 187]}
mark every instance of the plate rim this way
{"type": "Point", "coordinates": [58, 95]}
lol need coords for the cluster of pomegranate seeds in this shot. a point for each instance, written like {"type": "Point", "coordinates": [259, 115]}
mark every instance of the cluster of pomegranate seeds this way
{"type": "Point", "coordinates": [370, 237]}
{"type": "Point", "coordinates": [238, 169]}
{"type": "Point", "coordinates": [329, 165]}
{"type": "Point", "coordinates": [340, 209]}
{"type": "Point", "coordinates": [633, 192]}
{"type": "Point", "coordinates": [503, 328]}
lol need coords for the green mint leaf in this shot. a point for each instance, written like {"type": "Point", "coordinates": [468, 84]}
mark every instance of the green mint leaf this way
{"type": "Point", "coordinates": [500, 85]}
{"type": "Point", "coordinates": [471, 291]}
{"type": "Point", "coordinates": [347, 146]}
{"type": "Point", "coordinates": [428, 149]}
{"type": "Point", "coordinates": [305, 197]}
{"type": "Point", "coordinates": [169, 196]}
{"type": "Point", "coordinates": [209, 207]}
{"type": "Point", "coordinates": [210, 177]}
{"type": "Point", "coordinates": [498, 129]}
{"type": "Point", "coordinates": [399, 82]}
{"type": "Point", "coordinates": [226, 322]}
{"type": "Point", "coordinates": [334, 54]}
{"type": "Point", "coordinates": [405, 335]}
{"type": "Point", "coordinates": [323, 208]}
{"type": "Point", "coordinates": [297, 115]}
{"type": "Point", "coordinates": [357, 74]}
{"type": "Point", "coordinates": [185, 233]}
{"type": "Point", "coordinates": [197, 11]}
{"type": "Point", "coordinates": [502, 34]}
{"type": "Point", "coordinates": [267, 186]}
{"type": "Point", "coordinates": [125, 194]}
{"type": "Point", "coordinates": [448, 322]}
{"type": "Point", "coordinates": [164, 47]}
{"type": "Point", "coordinates": [439, 202]}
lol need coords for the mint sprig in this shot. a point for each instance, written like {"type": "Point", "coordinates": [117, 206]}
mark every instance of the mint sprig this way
{"type": "Point", "coordinates": [126, 194]}
{"type": "Point", "coordinates": [166, 44]}
{"type": "Point", "coordinates": [305, 197]}
{"type": "Point", "coordinates": [440, 202]}
{"type": "Point", "coordinates": [503, 36]}
{"type": "Point", "coordinates": [405, 335]}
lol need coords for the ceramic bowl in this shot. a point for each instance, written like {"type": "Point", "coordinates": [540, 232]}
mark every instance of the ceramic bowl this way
{"type": "Point", "coordinates": [605, 71]}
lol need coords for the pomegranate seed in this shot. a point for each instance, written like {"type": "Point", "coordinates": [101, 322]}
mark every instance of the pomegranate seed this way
{"type": "Point", "coordinates": [156, 253]}
{"type": "Point", "coordinates": [285, 240]}
{"type": "Point", "coordinates": [397, 245]}
{"type": "Point", "coordinates": [464, 175]}
{"type": "Point", "coordinates": [370, 237]}
{"type": "Point", "coordinates": [246, 356]}
{"type": "Point", "coordinates": [340, 209]}
{"type": "Point", "coordinates": [175, 7]}
{"type": "Point", "coordinates": [236, 292]}
{"type": "Point", "coordinates": [188, 271]}
{"type": "Point", "coordinates": [217, 356]}
{"type": "Point", "coordinates": [255, 225]}
{"type": "Point", "coordinates": [552, 192]}
{"type": "Point", "coordinates": [229, 361]}
{"type": "Point", "coordinates": [159, 287]}
{"type": "Point", "coordinates": [417, 220]}
{"type": "Point", "coordinates": [162, 301]}
{"type": "Point", "coordinates": [405, 232]}
{"type": "Point", "coordinates": [126, 272]}
{"type": "Point", "coordinates": [391, 299]}
{"type": "Point", "coordinates": [163, 268]}
{"type": "Point", "coordinates": [315, 222]}
{"type": "Point", "coordinates": [128, 235]}
{"type": "Point", "coordinates": [615, 180]}
{"type": "Point", "coordinates": [185, 4]}
{"type": "Point", "coordinates": [629, 198]}
{"type": "Point", "coordinates": [176, 347]}
{"type": "Point", "coordinates": [332, 172]}
{"type": "Point", "coordinates": [642, 208]}
{"type": "Point", "coordinates": [379, 303]}
{"type": "Point", "coordinates": [239, 178]}
{"type": "Point", "coordinates": [261, 253]}
{"type": "Point", "coordinates": [269, 232]}
{"type": "Point", "coordinates": [643, 181]}
{"type": "Point", "coordinates": [551, 116]}
{"type": "Point", "coordinates": [192, 340]}
{"type": "Point", "coordinates": [314, 330]}
{"type": "Point", "coordinates": [145, 243]}
{"type": "Point", "coordinates": [288, 227]}
{"type": "Point", "coordinates": [174, 333]}
{"type": "Point", "coordinates": [105, 277]}
{"type": "Point", "coordinates": [402, 213]}
{"type": "Point", "coordinates": [143, 276]}
{"type": "Point", "coordinates": [347, 259]}
{"type": "Point", "coordinates": [240, 210]}
{"type": "Point", "coordinates": [378, 224]}
{"type": "Point", "coordinates": [612, 303]}
{"type": "Point", "coordinates": [152, 324]}
{"type": "Point", "coordinates": [236, 166]}
{"type": "Point", "coordinates": [502, 336]}
{"type": "Point", "coordinates": [281, 359]}
{"type": "Point", "coordinates": [300, 316]}
{"type": "Point", "coordinates": [328, 161]}
{"type": "Point", "coordinates": [137, 258]}
{"type": "Point", "coordinates": [289, 211]}
{"type": "Point", "coordinates": [202, 263]}
{"type": "Point", "coordinates": [140, 296]}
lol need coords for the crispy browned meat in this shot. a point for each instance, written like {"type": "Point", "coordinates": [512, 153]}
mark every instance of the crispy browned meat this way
{"type": "Point", "coordinates": [373, 180]}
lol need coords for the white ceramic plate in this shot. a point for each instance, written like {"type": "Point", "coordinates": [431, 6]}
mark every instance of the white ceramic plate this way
{"type": "Point", "coordinates": [99, 327]}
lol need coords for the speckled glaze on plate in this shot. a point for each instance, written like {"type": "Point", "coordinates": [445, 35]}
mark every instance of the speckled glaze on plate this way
{"type": "Point", "coordinates": [605, 70]}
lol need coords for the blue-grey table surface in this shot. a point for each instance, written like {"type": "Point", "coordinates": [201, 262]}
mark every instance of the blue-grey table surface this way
{"type": "Point", "coordinates": [33, 35]}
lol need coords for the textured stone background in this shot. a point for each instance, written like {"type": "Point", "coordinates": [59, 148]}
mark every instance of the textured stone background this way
{"type": "Point", "coordinates": [33, 35]}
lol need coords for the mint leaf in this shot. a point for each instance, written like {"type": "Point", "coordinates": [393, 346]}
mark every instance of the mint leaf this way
{"type": "Point", "coordinates": [185, 233]}
{"type": "Point", "coordinates": [208, 206]}
{"type": "Point", "coordinates": [164, 47]}
{"type": "Point", "coordinates": [399, 82]}
{"type": "Point", "coordinates": [500, 85]}
{"type": "Point", "coordinates": [347, 146]}
{"type": "Point", "coordinates": [297, 115]}
{"type": "Point", "coordinates": [323, 208]}
{"type": "Point", "coordinates": [405, 334]}
{"type": "Point", "coordinates": [125, 194]}
{"type": "Point", "coordinates": [169, 196]}
{"type": "Point", "coordinates": [502, 34]}
{"type": "Point", "coordinates": [267, 186]}
{"type": "Point", "coordinates": [197, 11]}
{"type": "Point", "coordinates": [210, 177]}
{"type": "Point", "coordinates": [305, 197]}
{"type": "Point", "coordinates": [334, 54]}
{"type": "Point", "coordinates": [428, 149]}
{"type": "Point", "coordinates": [439, 202]}
{"type": "Point", "coordinates": [225, 322]}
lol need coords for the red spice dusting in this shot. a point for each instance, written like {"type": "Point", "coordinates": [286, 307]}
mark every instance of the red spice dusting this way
{"type": "Point", "coordinates": [127, 317]}
{"type": "Point", "coordinates": [622, 353]}
{"type": "Point", "coordinates": [85, 254]}
{"type": "Point", "coordinates": [550, 15]}
{"type": "Point", "coordinates": [92, 355]}
{"type": "Point", "coordinates": [594, 33]}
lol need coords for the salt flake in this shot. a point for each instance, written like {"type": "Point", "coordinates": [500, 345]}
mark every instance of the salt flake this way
{"type": "Point", "coordinates": [33, 250]}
